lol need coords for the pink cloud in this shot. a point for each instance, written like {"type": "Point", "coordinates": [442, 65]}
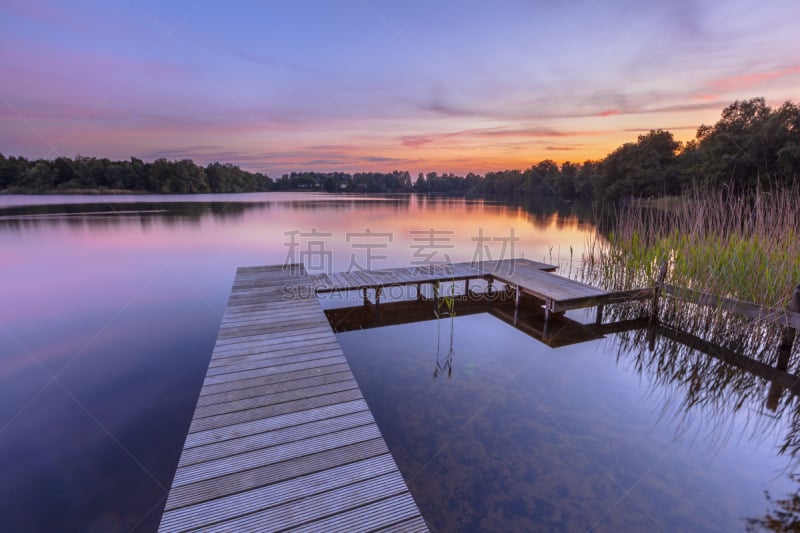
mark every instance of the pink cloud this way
{"type": "Point", "coordinates": [534, 133]}
{"type": "Point", "coordinates": [416, 141]}
{"type": "Point", "coordinates": [751, 80]}
{"type": "Point", "coordinates": [706, 97]}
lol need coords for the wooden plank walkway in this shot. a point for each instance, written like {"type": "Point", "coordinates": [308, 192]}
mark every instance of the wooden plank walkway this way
{"type": "Point", "coordinates": [435, 272]}
{"type": "Point", "coordinates": [558, 293]}
{"type": "Point", "coordinates": [281, 437]}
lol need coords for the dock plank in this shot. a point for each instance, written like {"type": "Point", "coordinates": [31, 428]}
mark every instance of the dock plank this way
{"type": "Point", "coordinates": [242, 504]}
{"type": "Point", "coordinates": [281, 436]}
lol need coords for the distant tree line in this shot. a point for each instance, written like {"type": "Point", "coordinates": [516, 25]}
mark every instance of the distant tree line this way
{"type": "Point", "coordinates": [374, 182]}
{"type": "Point", "coordinates": [20, 175]}
{"type": "Point", "coordinates": [752, 145]}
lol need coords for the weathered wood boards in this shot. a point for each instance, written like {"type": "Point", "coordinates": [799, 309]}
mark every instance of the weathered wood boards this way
{"type": "Point", "coordinates": [558, 293]}
{"type": "Point", "coordinates": [414, 275]}
{"type": "Point", "coordinates": [281, 437]}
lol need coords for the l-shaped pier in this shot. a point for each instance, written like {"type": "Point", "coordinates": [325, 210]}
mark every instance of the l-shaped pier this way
{"type": "Point", "coordinates": [281, 437]}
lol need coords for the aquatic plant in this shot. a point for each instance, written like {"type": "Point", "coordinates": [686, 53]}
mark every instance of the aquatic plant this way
{"type": "Point", "coordinates": [744, 247]}
{"type": "Point", "coordinates": [445, 307]}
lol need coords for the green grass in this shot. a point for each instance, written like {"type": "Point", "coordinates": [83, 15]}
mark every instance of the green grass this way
{"type": "Point", "coordinates": [744, 247]}
{"type": "Point", "coordinates": [741, 247]}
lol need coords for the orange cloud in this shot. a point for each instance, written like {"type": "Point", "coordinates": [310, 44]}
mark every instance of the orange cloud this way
{"type": "Point", "coordinates": [609, 112]}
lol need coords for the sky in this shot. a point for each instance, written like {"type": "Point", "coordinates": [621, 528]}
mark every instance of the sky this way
{"type": "Point", "coordinates": [376, 85]}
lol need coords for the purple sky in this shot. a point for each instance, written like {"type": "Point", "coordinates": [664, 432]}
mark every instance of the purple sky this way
{"type": "Point", "coordinates": [433, 85]}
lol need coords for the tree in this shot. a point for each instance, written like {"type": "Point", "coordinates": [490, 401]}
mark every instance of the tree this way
{"type": "Point", "coordinates": [39, 177]}
{"type": "Point", "coordinates": [647, 167]}
{"type": "Point", "coordinates": [751, 145]}
{"type": "Point", "coordinates": [330, 185]}
{"type": "Point", "coordinates": [541, 178]}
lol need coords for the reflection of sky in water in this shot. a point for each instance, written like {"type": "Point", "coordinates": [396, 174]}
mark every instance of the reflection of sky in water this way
{"type": "Point", "coordinates": [531, 438]}
{"type": "Point", "coordinates": [123, 311]}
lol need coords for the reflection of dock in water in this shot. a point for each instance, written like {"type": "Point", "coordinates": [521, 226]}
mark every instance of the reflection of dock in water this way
{"type": "Point", "coordinates": [556, 331]}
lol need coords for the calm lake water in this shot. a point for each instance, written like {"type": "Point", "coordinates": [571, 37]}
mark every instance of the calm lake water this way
{"type": "Point", "coordinates": [109, 309]}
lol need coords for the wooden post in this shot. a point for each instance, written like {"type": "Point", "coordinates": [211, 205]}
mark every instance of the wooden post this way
{"type": "Point", "coordinates": [466, 287]}
{"type": "Point", "coordinates": [662, 274]}
{"type": "Point", "coordinates": [419, 291]}
{"type": "Point", "coordinates": [599, 319]}
{"type": "Point", "coordinates": [788, 334]}
{"type": "Point", "coordinates": [366, 299]}
{"type": "Point", "coordinates": [377, 307]}
{"type": "Point", "coordinates": [651, 336]}
{"type": "Point", "coordinates": [489, 286]}
{"type": "Point", "coordinates": [784, 352]}
{"type": "Point", "coordinates": [651, 330]}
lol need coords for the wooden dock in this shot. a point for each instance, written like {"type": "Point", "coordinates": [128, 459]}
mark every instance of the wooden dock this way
{"type": "Point", "coordinates": [557, 293]}
{"type": "Point", "coordinates": [426, 274]}
{"type": "Point", "coordinates": [281, 437]}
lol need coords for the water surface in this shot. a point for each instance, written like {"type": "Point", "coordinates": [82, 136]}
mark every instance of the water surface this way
{"type": "Point", "coordinates": [109, 308]}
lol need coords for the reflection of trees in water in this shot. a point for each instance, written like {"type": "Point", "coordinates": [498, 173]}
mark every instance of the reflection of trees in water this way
{"type": "Point", "coordinates": [110, 215]}
{"type": "Point", "coordinates": [546, 211]}
{"type": "Point", "coordinates": [540, 213]}
{"type": "Point", "coordinates": [104, 215]}
{"type": "Point", "coordinates": [101, 215]}
{"type": "Point", "coordinates": [333, 203]}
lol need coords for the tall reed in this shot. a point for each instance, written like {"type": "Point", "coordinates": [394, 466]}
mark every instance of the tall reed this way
{"type": "Point", "coordinates": [745, 247]}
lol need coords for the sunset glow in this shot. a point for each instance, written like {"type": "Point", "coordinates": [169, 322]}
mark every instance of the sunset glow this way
{"type": "Point", "coordinates": [376, 85]}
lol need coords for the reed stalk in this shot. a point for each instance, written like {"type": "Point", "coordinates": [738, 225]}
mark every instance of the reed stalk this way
{"type": "Point", "coordinates": [745, 247]}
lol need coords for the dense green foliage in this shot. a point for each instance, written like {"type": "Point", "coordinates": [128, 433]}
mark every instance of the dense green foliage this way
{"type": "Point", "coordinates": [18, 174]}
{"type": "Point", "coordinates": [751, 146]}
